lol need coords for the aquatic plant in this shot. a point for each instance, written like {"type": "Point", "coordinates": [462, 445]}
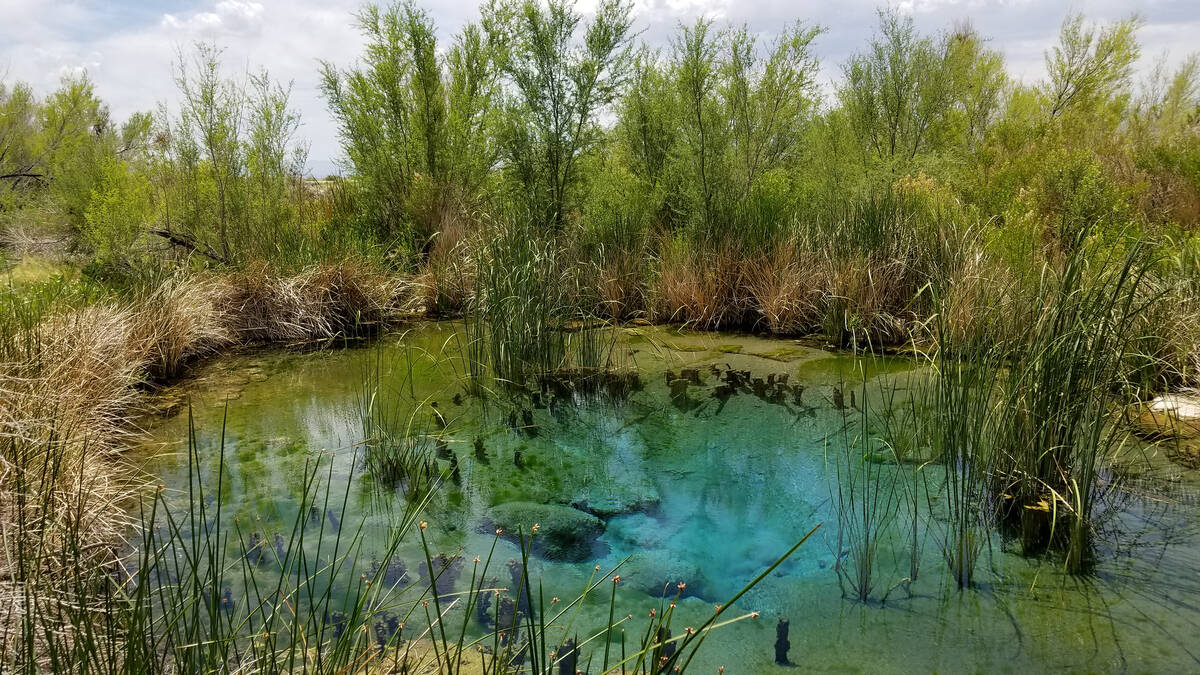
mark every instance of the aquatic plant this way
{"type": "Point", "coordinates": [956, 413]}
{"type": "Point", "coordinates": [400, 449]}
{"type": "Point", "coordinates": [865, 489]}
{"type": "Point", "coordinates": [533, 312]}
{"type": "Point", "coordinates": [1066, 371]}
{"type": "Point", "coordinates": [1021, 413]}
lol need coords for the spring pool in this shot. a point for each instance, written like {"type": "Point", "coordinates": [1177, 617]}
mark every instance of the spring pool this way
{"type": "Point", "coordinates": [683, 477]}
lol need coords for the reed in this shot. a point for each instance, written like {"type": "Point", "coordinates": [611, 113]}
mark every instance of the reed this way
{"type": "Point", "coordinates": [865, 490]}
{"type": "Point", "coordinates": [1022, 411]}
{"type": "Point", "coordinates": [534, 311]}
{"type": "Point", "coordinates": [954, 412]}
{"type": "Point", "coordinates": [1068, 373]}
{"type": "Point", "coordinates": [400, 451]}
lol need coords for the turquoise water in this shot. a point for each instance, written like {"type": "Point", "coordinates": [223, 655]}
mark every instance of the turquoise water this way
{"type": "Point", "coordinates": [709, 489]}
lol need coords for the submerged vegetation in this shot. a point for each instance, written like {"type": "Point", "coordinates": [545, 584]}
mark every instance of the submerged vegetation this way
{"type": "Point", "coordinates": [545, 178]}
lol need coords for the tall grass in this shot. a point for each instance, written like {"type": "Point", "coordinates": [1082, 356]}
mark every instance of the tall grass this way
{"type": "Point", "coordinates": [1022, 412]}
{"type": "Point", "coordinates": [1068, 371]}
{"type": "Point", "coordinates": [866, 492]}
{"type": "Point", "coordinates": [73, 362]}
{"type": "Point", "coordinates": [399, 450]}
{"type": "Point", "coordinates": [953, 413]}
{"type": "Point", "coordinates": [853, 270]}
{"type": "Point", "coordinates": [534, 310]}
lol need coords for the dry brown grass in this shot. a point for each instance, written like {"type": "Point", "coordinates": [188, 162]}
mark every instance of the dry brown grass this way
{"type": "Point", "coordinates": [788, 290]}
{"type": "Point", "coordinates": [82, 366]}
{"type": "Point", "coordinates": [977, 302]}
{"type": "Point", "coordinates": [620, 286]}
{"type": "Point", "coordinates": [446, 282]}
{"type": "Point", "coordinates": [785, 288]}
{"type": "Point", "coordinates": [181, 320]}
{"type": "Point", "coordinates": [698, 288]}
{"type": "Point", "coordinates": [86, 504]}
{"type": "Point", "coordinates": [62, 415]}
{"type": "Point", "coordinates": [67, 391]}
{"type": "Point", "coordinates": [867, 301]}
{"type": "Point", "coordinates": [319, 304]}
{"type": "Point", "coordinates": [80, 376]}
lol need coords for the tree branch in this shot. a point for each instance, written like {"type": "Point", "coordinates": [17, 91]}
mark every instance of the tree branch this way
{"type": "Point", "coordinates": [191, 245]}
{"type": "Point", "coordinates": [41, 178]}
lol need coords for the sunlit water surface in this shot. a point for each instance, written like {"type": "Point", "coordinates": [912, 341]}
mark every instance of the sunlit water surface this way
{"type": "Point", "coordinates": [706, 490]}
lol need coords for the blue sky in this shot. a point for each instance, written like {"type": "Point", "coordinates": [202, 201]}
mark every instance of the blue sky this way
{"type": "Point", "coordinates": [128, 47]}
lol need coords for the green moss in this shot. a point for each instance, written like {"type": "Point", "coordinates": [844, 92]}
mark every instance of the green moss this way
{"type": "Point", "coordinates": [729, 349]}
{"type": "Point", "coordinates": [248, 451]}
{"type": "Point", "coordinates": [291, 448]}
{"type": "Point", "coordinates": [675, 346]}
{"type": "Point", "coordinates": [781, 354]}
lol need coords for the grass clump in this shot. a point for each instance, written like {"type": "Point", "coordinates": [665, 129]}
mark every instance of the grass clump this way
{"type": "Point", "coordinates": [534, 311]}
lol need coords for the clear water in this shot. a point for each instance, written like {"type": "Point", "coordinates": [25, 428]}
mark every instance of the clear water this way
{"type": "Point", "coordinates": [707, 491]}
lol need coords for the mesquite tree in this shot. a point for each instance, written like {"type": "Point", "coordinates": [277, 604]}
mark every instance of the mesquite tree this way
{"type": "Point", "coordinates": [562, 81]}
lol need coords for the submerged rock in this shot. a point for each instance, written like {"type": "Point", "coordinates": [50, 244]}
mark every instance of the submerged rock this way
{"type": "Point", "coordinates": [679, 394]}
{"type": "Point", "coordinates": [483, 606]}
{"type": "Point", "coordinates": [564, 533]}
{"type": "Point", "coordinates": [658, 573]}
{"type": "Point", "coordinates": [633, 493]}
{"type": "Point", "coordinates": [395, 573]}
{"type": "Point", "coordinates": [254, 551]}
{"type": "Point", "coordinates": [508, 620]}
{"type": "Point", "coordinates": [446, 570]}
{"type": "Point", "coordinates": [387, 629]}
{"type": "Point", "coordinates": [517, 573]}
{"type": "Point", "coordinates": [527, 424]}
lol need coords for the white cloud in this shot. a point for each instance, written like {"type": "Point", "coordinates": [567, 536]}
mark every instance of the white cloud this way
{"type": "Point", "coordinates": [230, 18]}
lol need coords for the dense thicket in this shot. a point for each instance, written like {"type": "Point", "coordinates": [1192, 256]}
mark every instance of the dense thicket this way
{"type": "Point", "coordinates": [722, 138]}
{"type": "Point", "coordinates": [710, 181]}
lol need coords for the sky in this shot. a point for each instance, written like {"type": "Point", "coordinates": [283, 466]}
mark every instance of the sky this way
{"type": "Point", "coordinates": [129, 48]}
